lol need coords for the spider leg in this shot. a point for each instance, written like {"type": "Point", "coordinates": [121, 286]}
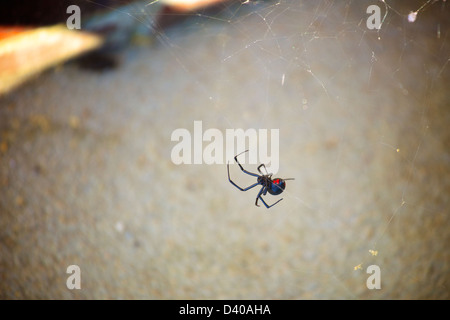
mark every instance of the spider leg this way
{"type": "Point", "coordinates": [266, 203]}
{"type": "Point", "coordinates": [234, 184]}
{"type": "Point", "coordinates": [242, 168]}
{"type": "Point", "coordinates": [267, 172]}
{"type": "Point", "coordinates": [259, 196]}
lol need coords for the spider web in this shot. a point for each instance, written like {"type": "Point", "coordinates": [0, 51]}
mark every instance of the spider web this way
{"type": "Point", "coordinates": [363, 130]}
{"type": "Point", "coordinates": [362, 104]}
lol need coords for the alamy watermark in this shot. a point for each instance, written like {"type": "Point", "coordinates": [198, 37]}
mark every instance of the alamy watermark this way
{"type": "Point", "coordinates": [220, 149]}
{"type": "Point", "coordinates": [374, 280]}
{"type": "Point", "coordinates": [374, 20]}
{"type": "Point", "coordinates": [74, 20]}
{"type": "Point", "coordinates": [74, 280]}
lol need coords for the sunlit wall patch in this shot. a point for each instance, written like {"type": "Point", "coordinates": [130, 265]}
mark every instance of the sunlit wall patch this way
{"type": "Point", "coordinates": [220, 149]}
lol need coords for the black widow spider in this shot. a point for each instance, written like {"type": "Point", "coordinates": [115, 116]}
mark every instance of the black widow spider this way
{"type": "Point", "coordinates": [273, 186]}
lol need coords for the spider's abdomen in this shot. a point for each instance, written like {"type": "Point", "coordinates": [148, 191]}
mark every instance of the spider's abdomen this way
{"type": "Point", "coordinates": [277, 186]}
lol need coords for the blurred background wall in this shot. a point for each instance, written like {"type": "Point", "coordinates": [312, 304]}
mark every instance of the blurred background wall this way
{"type": "Point", "coordinates": [87, 179]}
